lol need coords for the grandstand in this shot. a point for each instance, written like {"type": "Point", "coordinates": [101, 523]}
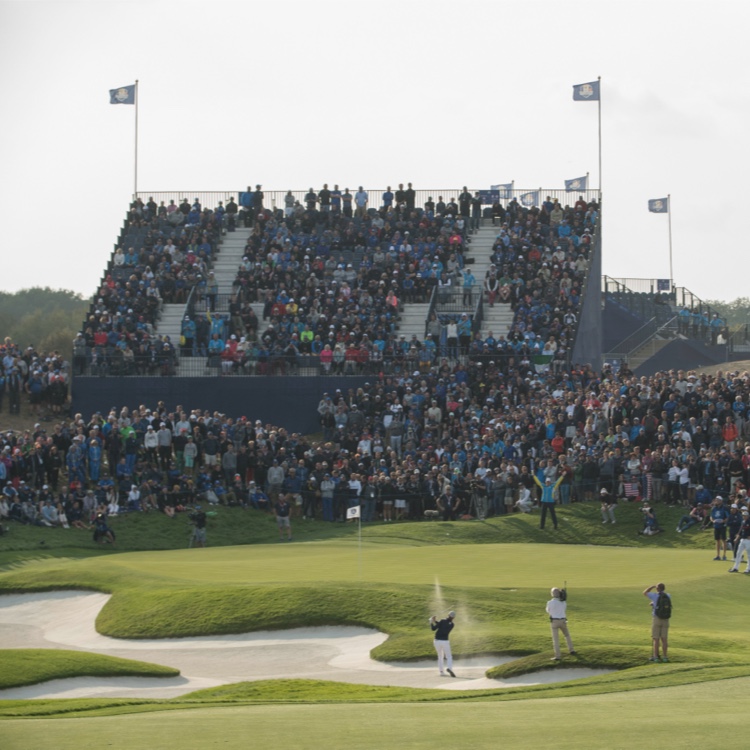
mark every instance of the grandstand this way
{"type": "Point", "coordinates": [298, 283]}
{"type": "Point", "coordinates": [655, 325]}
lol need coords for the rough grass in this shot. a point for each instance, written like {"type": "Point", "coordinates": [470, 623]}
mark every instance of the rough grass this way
{"type": "Point", "coordinates": [580, 524]}
{"type": "Point", "coordinates": [28, 666]}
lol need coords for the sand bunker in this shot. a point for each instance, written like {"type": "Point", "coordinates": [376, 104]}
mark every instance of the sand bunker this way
{"type": "Point", "coordinates": [66, 619]}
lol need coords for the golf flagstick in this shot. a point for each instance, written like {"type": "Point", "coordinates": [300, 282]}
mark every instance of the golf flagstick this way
{"type": "Point", "coordinates": [351, 513]}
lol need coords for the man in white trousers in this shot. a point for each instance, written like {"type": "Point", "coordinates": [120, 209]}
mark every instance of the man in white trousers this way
{"type": "Point", "coordinates": [557, 609]}
{"type": "Point", "coordinates": [741, 543]}
{"type": "Point", "coordinates": [442, 630]}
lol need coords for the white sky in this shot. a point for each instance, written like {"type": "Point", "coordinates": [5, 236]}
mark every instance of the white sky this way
{"type": "Point", "coordinates": [293, 94]}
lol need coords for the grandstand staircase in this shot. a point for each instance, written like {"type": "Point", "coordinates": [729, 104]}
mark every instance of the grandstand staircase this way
{"type": "Point", "coordinates": [499, 318]}
{"type": "Point", "coordinates": [645, 352]}
{"type": "Point", "coordinates": [225, 267]}
{"type": "Point", "coordinates": [413, 320]}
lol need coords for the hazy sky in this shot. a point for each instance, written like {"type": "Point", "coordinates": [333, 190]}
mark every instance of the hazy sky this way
{"type": "Point", "coordinates": [293, 94]}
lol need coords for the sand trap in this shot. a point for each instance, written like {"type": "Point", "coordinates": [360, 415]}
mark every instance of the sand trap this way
{"type": "Point", "coordinates": [66, 619]}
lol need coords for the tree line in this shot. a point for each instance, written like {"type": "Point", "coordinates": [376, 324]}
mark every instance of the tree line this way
{"type": "Point", "coordinates": [47, 319]}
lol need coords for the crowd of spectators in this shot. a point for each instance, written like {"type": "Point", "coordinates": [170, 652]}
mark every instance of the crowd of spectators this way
{"type": "Point", "coordinates": [333, 275]}
{"type": "Point", "coordinates": [37, 378]}
{"type": "Point", "coordinates": [165, 252]}
{"type": "Point", "coordinates": [458, 441]}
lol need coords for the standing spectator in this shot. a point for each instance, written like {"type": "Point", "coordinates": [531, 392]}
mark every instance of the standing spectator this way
{"type": "Point", "coordinates": [719, 516]}
{"type": "Point", "coordinates": [469, 282]}
{"type": "Point", "coordinates": [164, 442]}
{"type": "Point", "coordinates": [476, 212]}
{"type": "Point", "coordinates": [275, 479]}
{"type": "Point", "coordinates": [327, 489]}
{"type": "Point", "coordinates": [283, 511]}
{"type": "Point", "coordinates": [360, 199]}
{"type": "Point", "coordinates": [14, 386]}
{"type": "Point", "coordinates": [547, 499]}
{"type": "Point", "coordinates": [410, 198]}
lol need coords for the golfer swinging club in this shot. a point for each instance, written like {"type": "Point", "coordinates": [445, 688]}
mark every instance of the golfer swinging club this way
{"type": "Point", "coordinates": [442, 630]}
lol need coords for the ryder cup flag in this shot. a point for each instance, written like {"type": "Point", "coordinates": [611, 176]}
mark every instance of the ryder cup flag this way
{"type": "Point", "coordinates": [659, 205]}
{"type": "Point", "coordinates": [504, 191]}
{"type": "Point", "coordinates": [586, 92]}
{"type": "Point", "coordinates": [579, 183]}
{"type": "Point", "coordinates": [530, 199]}
{"type": "Point", "coordinates": [124, 95]}
{"type": "Point", "coordinates": [353, 512]}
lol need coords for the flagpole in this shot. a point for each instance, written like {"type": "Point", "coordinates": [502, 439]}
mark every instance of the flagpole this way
{"type": "Point", "coordinates": [669, 214]}
{"type": "Point", "coordinates": [135, 176]}
{"type": "Point", "coordinates": [600, 137]}
{"type": "Point", "coordinates": [359, 524]}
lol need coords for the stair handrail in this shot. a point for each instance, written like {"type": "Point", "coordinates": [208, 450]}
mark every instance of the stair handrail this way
{"type": "Point", "coordinates": [630, 344]}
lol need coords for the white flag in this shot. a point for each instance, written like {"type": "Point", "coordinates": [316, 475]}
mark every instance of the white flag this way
{"type": "Point", "coordinates": [352, 512]}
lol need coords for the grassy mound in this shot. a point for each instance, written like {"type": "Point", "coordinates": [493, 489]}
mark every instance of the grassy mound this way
{"type": "Point", "coordinates": [29, 666]}
{"type": "Point", "coordinates": [579, 524]}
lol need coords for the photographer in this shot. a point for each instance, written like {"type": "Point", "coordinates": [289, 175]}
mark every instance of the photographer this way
{"type": "Point", "coordinates": [479, 497]}
{"type": "Point", "coordinates": [557, 609]}
{"type": "Point", "coordinates": [650, 524]}
{"type": "Point", "coordinates": [609, 503]}
{"type": "Point", "coordinates": [102, 532]}
{"type": "Point", "coordinates": [198, 519]}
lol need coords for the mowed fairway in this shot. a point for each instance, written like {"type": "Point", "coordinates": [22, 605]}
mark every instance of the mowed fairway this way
{"type": "Point", "coordinates": [663, 717]}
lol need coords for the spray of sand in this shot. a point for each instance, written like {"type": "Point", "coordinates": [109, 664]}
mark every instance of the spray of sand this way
{"type": "Point", "coordinates": [437, 603]}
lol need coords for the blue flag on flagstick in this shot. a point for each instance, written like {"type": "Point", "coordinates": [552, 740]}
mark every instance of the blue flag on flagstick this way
{"type": "Point", "coordinates": [579, 183]}
{"type": "Point", "coordinates": [530, 199]}
{"type": "Point", "coordinates": [659, 205]}
{"type": "Point", "coordinates": [123, 95]}
{"type": "Point", "coordinates": [586, 92]}
{"type": "Point", "coordinates": [504, 191]}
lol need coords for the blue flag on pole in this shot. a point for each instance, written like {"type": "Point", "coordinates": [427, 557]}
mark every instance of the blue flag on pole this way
{"type": "Point", "coordinates": [586, 92]}
{"type": "Point", "coordinates": [504, 191]}
{"type": "Point", "coordinates": [659, 205]}
{"type": "Point", "coordinates": [579, 183]}
{"type": "Point", "coordinates": [530, 199]}
{"type": "Point", "coordinates": [123, 95]}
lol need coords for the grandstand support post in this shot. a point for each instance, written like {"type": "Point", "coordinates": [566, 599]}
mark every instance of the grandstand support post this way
{"type": "Point", "coordinates": [669, 215]}
{"type": "Point", "coordinates": [135, 175]}
{"type": "Point", "coordinates": [600, 137]}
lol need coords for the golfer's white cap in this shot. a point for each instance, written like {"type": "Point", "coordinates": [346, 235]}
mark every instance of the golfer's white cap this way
{"type": "Point", "coordinates": [451, 614]}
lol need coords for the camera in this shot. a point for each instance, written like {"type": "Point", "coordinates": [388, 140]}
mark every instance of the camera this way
{"type": "Point", "coordinates": [563, 595]}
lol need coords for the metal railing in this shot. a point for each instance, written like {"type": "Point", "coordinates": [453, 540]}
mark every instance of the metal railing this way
{"type": "Point", "coordinates": [275, 198]}
{"type": "Point", "coordinates": [643, 304]}
{"type": "Point", "coordinates": [643, 286]}
{"type": "Point", "coordinates": [305, 365]}
{"type": "Point", "coordinates": [629, 345]}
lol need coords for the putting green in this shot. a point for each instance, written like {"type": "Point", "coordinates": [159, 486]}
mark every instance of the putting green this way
{"type": "Point", "coordinates": [463, 565]}
{"type": "Point", "coordinates": [667, 717]}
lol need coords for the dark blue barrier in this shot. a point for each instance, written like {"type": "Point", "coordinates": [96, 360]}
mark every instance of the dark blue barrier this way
{"type": "Point", "coordinates": [285, 402]}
